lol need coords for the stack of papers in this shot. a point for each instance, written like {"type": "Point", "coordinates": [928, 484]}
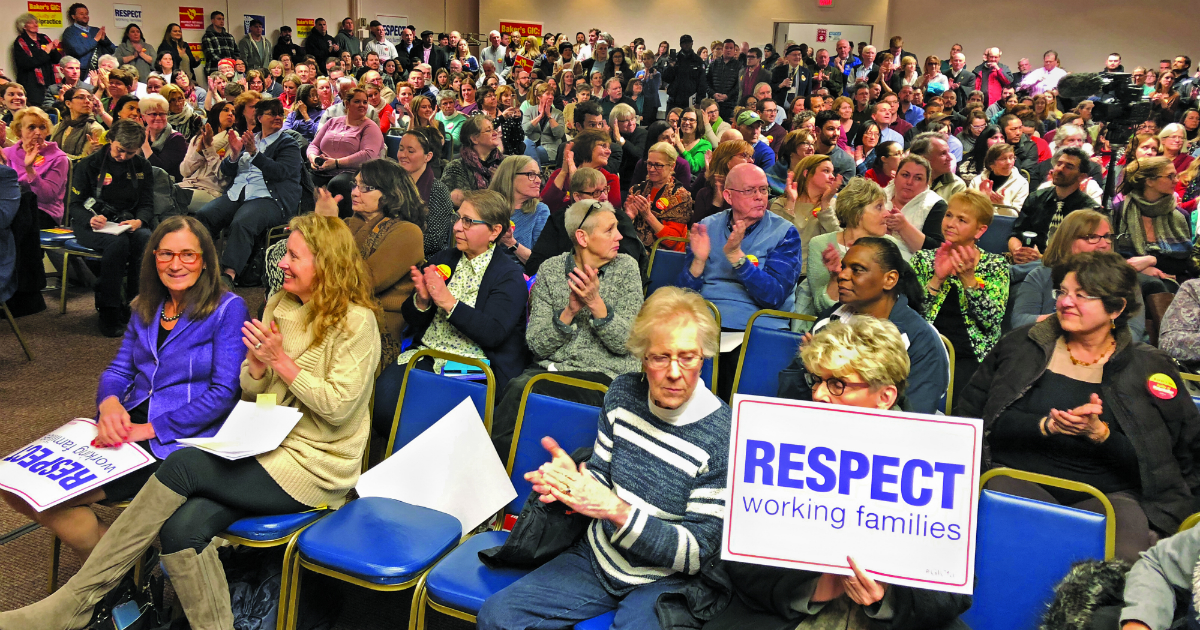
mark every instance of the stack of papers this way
{"type": "Point", "coordinates": [251, 429]}
{"type": "Point", "coordinates": [113, 228]}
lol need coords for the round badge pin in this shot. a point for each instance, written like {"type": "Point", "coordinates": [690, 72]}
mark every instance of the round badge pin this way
{"type": "Point", "coordinates": [752, 259]}
{"type": "Point", "coordinates": [444, 271]}
{"type": "Point", "coordinates": [1162, 386]}
{"type": "Point", "coordinates": [107, 179]}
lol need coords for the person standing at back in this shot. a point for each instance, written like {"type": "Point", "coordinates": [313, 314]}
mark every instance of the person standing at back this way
{"type": "Point", "coordinates": [217, 43]}
{"type": "Point", "coordinates": [684, 76]}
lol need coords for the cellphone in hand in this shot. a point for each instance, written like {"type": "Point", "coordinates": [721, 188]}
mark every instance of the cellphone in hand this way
{"type": "Point", "coordinates": [319, 161]}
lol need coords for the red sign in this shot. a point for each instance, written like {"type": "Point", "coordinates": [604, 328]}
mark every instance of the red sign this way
{"type": "Point", "coordinates": [524, 28]}
{"type": "Point", "coordinates": [821, 33]}
{"type": "Point", "coordinates": [191, 17]}
{"type": "Point", "coordinates": [523, 63]}
{"type": "Point", "coordinates": [303, 26]}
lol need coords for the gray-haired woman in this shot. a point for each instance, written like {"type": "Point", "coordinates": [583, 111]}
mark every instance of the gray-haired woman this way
{"type": "Point", "coordinates": [35, 55]}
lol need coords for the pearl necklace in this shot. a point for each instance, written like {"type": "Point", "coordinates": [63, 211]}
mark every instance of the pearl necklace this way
{"type": "Point", "coordinates": [164, 317]}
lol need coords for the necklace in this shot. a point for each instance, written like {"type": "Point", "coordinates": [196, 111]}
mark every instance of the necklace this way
{"type": "Point", "coordinates": [164, 317]}
{"type": "Point", "coordinates": [1074, 361]}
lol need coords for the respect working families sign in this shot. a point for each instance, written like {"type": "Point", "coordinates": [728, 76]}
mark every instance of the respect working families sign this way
{"type": "Point", "coordinates": [63, 465]}
{"type": "Point", "coordinates": [811, 484]}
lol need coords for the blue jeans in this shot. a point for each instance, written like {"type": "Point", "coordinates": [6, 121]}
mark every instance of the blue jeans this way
{"type": "Point", "coordinates": [565, 591]}
{"type": "Point", "coordinates": [536, 152]}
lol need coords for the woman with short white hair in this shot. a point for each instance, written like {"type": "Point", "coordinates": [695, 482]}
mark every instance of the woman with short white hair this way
{"type": "Point", "coordinates": [164, 147]}
{"type": "Point", "coordinates": [654, 486]}
{"type": "Point", "coordinates": [35, 55]}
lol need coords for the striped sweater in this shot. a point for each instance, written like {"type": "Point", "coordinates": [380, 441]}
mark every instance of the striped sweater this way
{"type": "Point", "coordinates": [670, 466]}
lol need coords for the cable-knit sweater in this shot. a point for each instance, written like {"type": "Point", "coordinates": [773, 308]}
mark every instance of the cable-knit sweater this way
{"type": "Point", "coordinates": [319, 461]}
{"type": "Point", "coordinates": [587, 344]}
{"type": "Point", "coordinates": [670, 466]}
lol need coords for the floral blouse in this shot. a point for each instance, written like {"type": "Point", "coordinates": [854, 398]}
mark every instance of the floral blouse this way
{"type": "Point", "coordinates": [983, 309]}
{"type": "Point", "coordinates": [441, 334]}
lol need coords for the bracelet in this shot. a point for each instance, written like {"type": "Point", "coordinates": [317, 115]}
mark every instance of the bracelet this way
{"type": "Point", "coordinates": [1042, 425]}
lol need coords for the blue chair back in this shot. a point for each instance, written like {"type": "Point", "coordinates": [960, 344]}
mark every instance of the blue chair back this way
{"type": "Point", "coordinates": [571, 424]}
{"type": "Point", "coordinates": [765, 352]}
{"type": "Point", "coordinates": [393, 145]}
{"type": "Point", "coordinates": [1023, 549]}
{"type": "Point", "coordinates": [665, 265]}
{"type": "Point", "coordinates": [426, 397]}
{"type": "Point", "coordinates": [995, 239]}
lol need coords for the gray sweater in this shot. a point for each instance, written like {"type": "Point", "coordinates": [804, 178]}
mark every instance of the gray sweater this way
{"type": "Point", "coordinates": [588, 344]}
{"type": "Point", "coordinates": [1151, 584]}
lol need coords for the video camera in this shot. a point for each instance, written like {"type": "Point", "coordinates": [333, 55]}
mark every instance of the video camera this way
{"type": "Point", "coordinates": [1118, 102]}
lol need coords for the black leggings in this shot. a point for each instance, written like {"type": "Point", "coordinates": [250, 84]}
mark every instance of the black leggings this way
{"type": "Point", "coordinates": [219, 493]}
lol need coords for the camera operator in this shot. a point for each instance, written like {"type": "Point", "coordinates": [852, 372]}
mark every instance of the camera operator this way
{"type": "Point", "coordinates": [685, 74]}
{"type": "Point", "coordinates": [115, 185]}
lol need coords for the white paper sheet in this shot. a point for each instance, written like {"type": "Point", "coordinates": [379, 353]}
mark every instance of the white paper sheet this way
{"type": "Point", "coordinates": [731, 341]}
{"type": "Point", "coordinates": [451, 467]}
{"type": "Point", "coordinates": [249, 430]}
{"type": "Point", "coordinates": [113, 228]}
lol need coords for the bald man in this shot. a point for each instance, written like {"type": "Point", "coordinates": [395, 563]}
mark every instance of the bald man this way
{"type": "Point", "coordinates": [744, 259]}
{"type": "Point", "coordinates": [991, 76]}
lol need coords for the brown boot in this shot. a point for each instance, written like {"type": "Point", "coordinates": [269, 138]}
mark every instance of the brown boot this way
{"type": "Point", "coordinates": [70, 607]}
{"type": "Point", "coordinates": [200, 586]}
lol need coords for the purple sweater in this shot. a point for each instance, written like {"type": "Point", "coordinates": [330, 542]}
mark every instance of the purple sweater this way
{"type": "Point", "coordinates": [50, 183]}
{"type": "Point", "coordinates": [351, 146]}
{"type": "Point", "coordinates": [192, 382]}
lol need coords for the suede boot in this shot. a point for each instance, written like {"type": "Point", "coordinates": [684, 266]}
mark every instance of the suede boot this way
{"type": "Point", "coordinates": [70, 607]}
{"type": "Point", "coordinates": [200, 586]}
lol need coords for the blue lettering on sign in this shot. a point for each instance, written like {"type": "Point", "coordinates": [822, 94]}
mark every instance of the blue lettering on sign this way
{"type": "Point", "coordinates": [891, 479]}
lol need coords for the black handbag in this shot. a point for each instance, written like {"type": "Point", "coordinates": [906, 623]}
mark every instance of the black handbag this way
{"type": "Point", "coordinates": [134, 604]}
{"type": "Point", "coordinates": [543, 531]}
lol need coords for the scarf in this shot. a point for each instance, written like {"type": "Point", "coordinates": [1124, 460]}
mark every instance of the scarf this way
{"type": "Point", "coordinates": [182, 120]}
{"type": "Point", "coordinates": [425, 183]}
{"type": "Point", "coordinates": [678, 210]}
{"type": "Point", "coordinates": [482, 170]}
{"type": "Point", "coordinates": [161, 141]}
{"type": "Point", "coordinates": [23, 40]}
{"type": "Point", "coordinates": [1171, 231]}
{"type": "Point", "coordinates": [71, 134]}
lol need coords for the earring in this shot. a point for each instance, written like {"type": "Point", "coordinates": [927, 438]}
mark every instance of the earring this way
{"type": "Point", "coordinates": [1113, 321]}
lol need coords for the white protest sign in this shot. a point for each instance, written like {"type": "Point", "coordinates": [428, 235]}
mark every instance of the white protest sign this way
{"type": "Point", "coordinates": [64, 465]}
{"type": "Point", "coordinates": [811, 484]}
{"type": "Point", "coordinates": [126, 14]}
{"type": "Point", "coordinates": [392, 26]}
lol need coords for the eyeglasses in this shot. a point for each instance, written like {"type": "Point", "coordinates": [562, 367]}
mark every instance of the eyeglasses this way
{"type": "Point", "coordinates": [535, 176]}
{"type": "Point", "coordinates": [468, 221]}
{"type": "Point", "coordinates": [687, 361]}
{"type": "Point", "coordinates": [833, 384]}
{"type": "Point", "coordinates": [187, 256]}
{"type": "Point", "coordinates": [1092, 239]}
{"type": "Point", "coordinates": [592, 193]}
{"type": "Point", "coordinates": [363, 188]}
{"type": "Point", "coordinates": [155, 115]}
{"type": "Point", "coordinates": [1062, 293]}
{"type": "Point", "coordinates": [762, 191]}
{"type": "Point", "coordinates": [655, 166]}
{"type": "Point", "coordinates": [1172, 176]}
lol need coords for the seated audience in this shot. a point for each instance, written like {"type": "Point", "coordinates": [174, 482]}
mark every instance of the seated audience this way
{"type": "Point", "coordinates": [1000, 180]}
{"type": "Point", "coordinates": [507, 119]}
{"type": "Point", "coordinates": [305, 115]}
{"type": "Point", "coordinates": [450, 118]}
{"type": "Point", "coordinates": [860, 362]}
{"type": "Point", "coordinates": [661, 131]}
{"type": "Point", "coordinates": [660, 206]}
{"type": "Point", "coordinates": [266, 169]}
{"type": "Point", "coordinates": [201, 168]}
{"type": "Point", "coordinates": [1179, 332]}
{"type": "Point", "coordinates": [708, 196]}
{"type": "Point", "coordinates": [1082, 231]}
{"type": "Point", "coordinates": [719, 264]}
{"type": "Point", "coordinates": [77, 132]}
{"type": "Point", "coordinates": [796, 146]}
{"type": "Point", "coordinates": [479, 312]}
{"type": "Point", "coordinates": [914, 204]}
{"type": "Point", "coordinates": [1067, 397]}
{"type": "Point", "coordinates": [164, 147]}
{"type": "Point", "coordinates": [967, 287]}
{"type": "Point", "coordinates": [587, 184]}
{"type": "Point", "coordinates": [519, 180]}
{"type": "Point", "coordinates": [416, 155]}
{"type": "Point", "coordinates": [1045, 208]}
{"type": "Point", "coordinates": [942, 180]}
{"type": "Point", "coordinates": [180, 115]}
{"type": "Point", "coordinates": [975, 157]}
{"type": "Point", "coordinates": [589, 149]}
{"type": "Point", "coordinates": [189, 376]}
{"type": "Point", "coordinates": [885, 163]}
{"type": "Point", "coordinates": [115, 185]}
{"type": "Point", "coordinates": [41, 166]}
{"type": "Point", "coordinates": [1149, 221]}
{"type": "Point", "coordinates": [581, 310]}
{"type": "Point", "coordinates": [342, 145]}
{"type": "Point", "coordinates": [476, 162]}
{"type": "Point", "coordinates": [194, 495]}
{"type": "Point", "coordinates": [695, 144]}
{"type": "Point", "coordinates": [634, 480]}
{"type": "Point", "coordinates": [544, 126]}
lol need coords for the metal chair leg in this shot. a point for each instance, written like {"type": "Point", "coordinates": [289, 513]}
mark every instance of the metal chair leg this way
{"type": "Point", "coordinates": [17, 331]}
{"type": "Point", "coordinates": [55, 555]}
{"type": "Point", "coordinates": [62, 301]}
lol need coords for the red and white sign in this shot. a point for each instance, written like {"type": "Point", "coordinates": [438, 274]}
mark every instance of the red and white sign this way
{"type": "Point", "coordinates": [822, 34]}
{"type": "Point", "coordinates": [191, 18]}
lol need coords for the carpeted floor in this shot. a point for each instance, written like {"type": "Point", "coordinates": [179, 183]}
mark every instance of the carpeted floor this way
{"type": "Point", "coordinates": [60, 384]}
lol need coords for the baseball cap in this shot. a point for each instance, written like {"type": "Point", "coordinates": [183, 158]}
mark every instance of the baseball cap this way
{"type": "Point", "coordinates": [685, 38]}
{"type": "Point", "coordinates": [748, 117]}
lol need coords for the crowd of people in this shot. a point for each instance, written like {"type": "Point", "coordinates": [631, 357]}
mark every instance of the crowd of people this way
{"type": "Point", "coordinates": [501, 203]}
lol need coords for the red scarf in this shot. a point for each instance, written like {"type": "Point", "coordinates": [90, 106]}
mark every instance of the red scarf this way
{"type": "Point", "coordinates": [41, 78]}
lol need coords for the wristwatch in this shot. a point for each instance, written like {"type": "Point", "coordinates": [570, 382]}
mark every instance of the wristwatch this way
{"type": "Point", "coordinates": [741, 261]}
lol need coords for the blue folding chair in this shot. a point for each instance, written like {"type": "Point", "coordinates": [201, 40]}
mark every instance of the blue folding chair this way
{"type": "Point", "coordinates": [665, 265]}
{"type": "Point", "coordinates": [1025, 547]}
{"type": "Point", "coordinates": [383, 544]}
{"type": "Point", "coordinates": [708, 372]}
{"type": "Point", "coordinates": [460, 583]}
{"type": "Point", "coordinates": [393, 145]}
{"type": "Point", "coordinates": [995, 239]}
{"type": "Point", "coordinates": [71, 247]}
{"type": "Point", "coordinates": [765, 352]}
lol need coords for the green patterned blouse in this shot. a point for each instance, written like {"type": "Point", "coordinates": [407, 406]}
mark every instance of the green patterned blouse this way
{"type": "Point", "coordinates": [983, 308]}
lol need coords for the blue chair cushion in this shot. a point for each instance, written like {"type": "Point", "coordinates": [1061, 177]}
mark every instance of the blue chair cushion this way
{"type": "Point", "coordinates": [49, 239]}
{"type": "Point", "coordinates": [768, 351]}
{"type": "Point", "coordinates": [382, 541]}
{"type": "Point", "coordinates": [268, 528]}
{"type": "Point", "coordinates": [1024, 548]}
{"type": "Point", "coordinates": [603, 622]}
{"type": "Point", "coordinates": [393, 145]}
{"type": "Point", "coordinates": [460, 581]}
{"type": "Point", "coordinates": [74, 246]}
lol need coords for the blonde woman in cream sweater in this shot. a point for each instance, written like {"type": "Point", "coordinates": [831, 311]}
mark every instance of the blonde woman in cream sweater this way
{"type": "Point", "coordinates": [317, 349]}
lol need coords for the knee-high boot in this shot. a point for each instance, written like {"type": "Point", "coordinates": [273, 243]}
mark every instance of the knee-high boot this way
{"type": "Point", "coordinates": [70, 607]}
{"type": "Point", "coordinates": [199, 580]}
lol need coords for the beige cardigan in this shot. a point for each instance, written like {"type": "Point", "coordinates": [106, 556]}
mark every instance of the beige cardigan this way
{"type": "Point", "coordinates": [320, 460]}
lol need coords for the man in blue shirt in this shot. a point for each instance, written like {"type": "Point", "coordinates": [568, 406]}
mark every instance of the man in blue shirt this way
{"type": "Point", "coordinates": [81, 41]}
{"type": "Point", "coordinates": [909, 112]}
{"type": "Point", "coordinates": [749, 124]}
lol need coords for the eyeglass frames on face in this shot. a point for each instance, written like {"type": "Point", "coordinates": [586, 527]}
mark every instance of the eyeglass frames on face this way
{"type": "Point", "coordinates": [187, 256]}
{"type": "Point", "coordinates": [467, 222]}
{"type": "Point", "coordinates": [1092, 239]}
{"type": "Point", "coordinates": [835, 385]}
{"type": "Point", "coordinates": [684, 361]}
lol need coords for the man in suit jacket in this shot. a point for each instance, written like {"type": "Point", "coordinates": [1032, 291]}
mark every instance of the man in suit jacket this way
{"type": "Point", "coordinates": [751, 75]}
{"type": "Point", "coordinates": [266, 170]}
{"type": "Point", "coordinates": [791, 80]}
{"type": "Point", "coordinates": [429, 52]}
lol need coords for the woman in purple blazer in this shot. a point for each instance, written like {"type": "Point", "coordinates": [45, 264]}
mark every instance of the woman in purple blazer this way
{"type": "Point", "coordinates": [175, 376]}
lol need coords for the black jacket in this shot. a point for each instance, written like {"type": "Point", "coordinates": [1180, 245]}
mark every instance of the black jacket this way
{"type": "Point", "coordinates": [781, 72]}
{"type": "Point", "coordinates": [497, 321]}
{"type": "Point", "coordinates": [285, 47]}
{"type": "Point", "coordinates": [120, 204]}
{"type": "Point", "coordinates": [1027, 153]}
{"type": "Point", "coordinates": [685, 77]}
{"type": "Point", "coordinates": [1165, 433]}
{"type": "Point", "coordinates": [320, 47]}
{"type": "Point", "coordinates": [282, 166]}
